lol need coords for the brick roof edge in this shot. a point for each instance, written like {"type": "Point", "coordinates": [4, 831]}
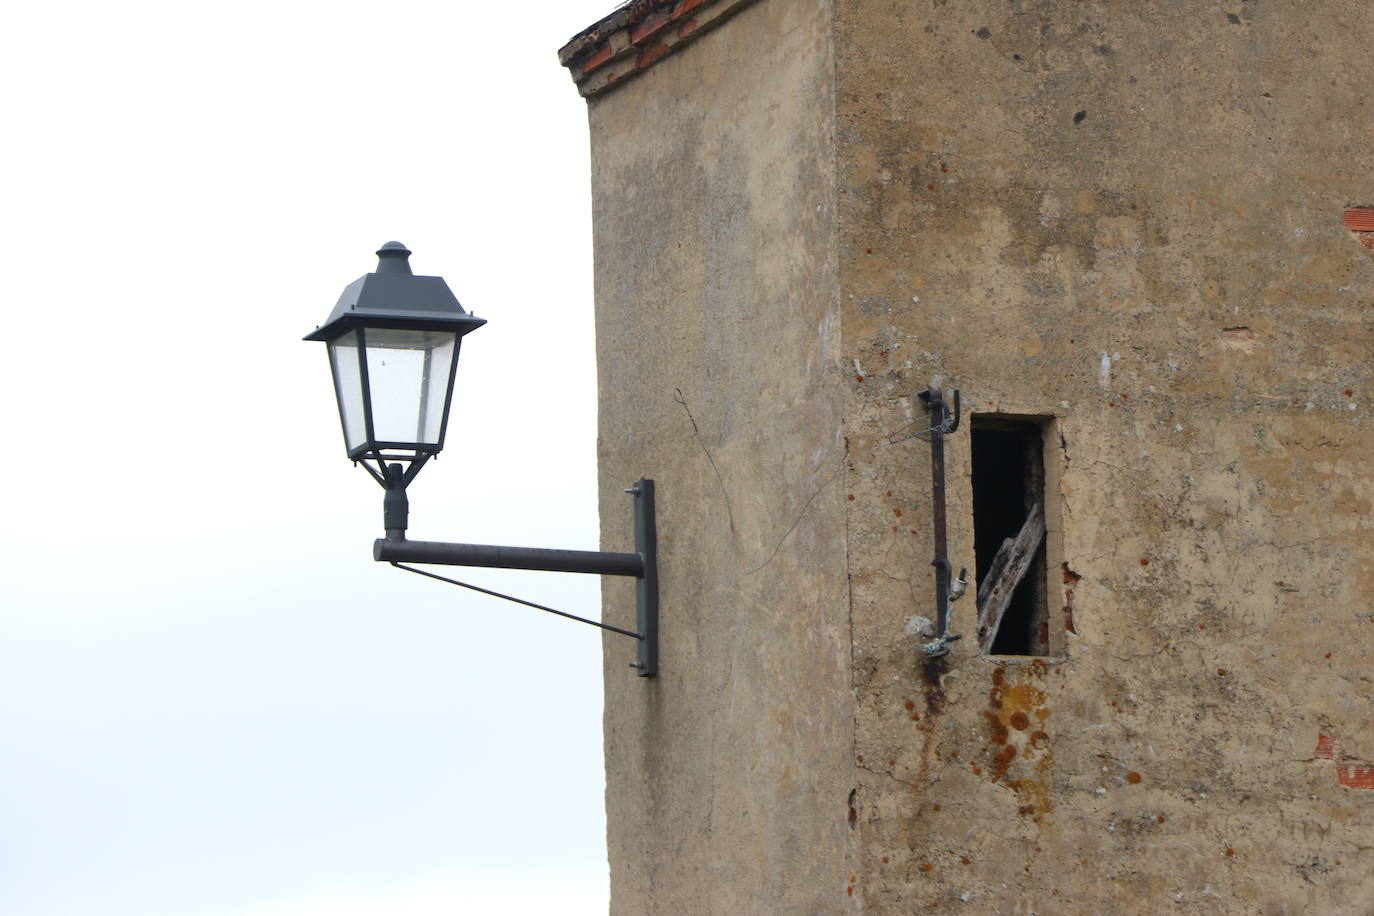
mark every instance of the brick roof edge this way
{"type": "Point", "coordinates": [636, 36]}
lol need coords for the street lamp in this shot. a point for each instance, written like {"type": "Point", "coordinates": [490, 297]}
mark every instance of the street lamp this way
{"type": "Point", "coordinates": [393, 344]}
{"type": "Point", "coordinates": [393, 341]}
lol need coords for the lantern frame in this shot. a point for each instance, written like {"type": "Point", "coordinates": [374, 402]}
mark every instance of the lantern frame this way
{"type": "Point", "coordinates": [390, 298]}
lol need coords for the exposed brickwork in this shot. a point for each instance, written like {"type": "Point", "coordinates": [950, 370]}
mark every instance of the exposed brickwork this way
{"type": "Point", "coordinates": [650, 27]}
{"type": "Point", "coordinates": [1350, 775]}
{"type": "Point", "coordinates": [636, 36]}
{"type": "Point", "coordinates": [598, 58]}
{"type": "Point", "coordinates": [651, 54]}
{"type": "Point", "coordinates": [1356, 776]}
{"type": "Point", "coordinates": [1360, 219]}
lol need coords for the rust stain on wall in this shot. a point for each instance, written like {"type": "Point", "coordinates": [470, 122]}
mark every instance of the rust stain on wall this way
{"type": "Point", "coordinates": [1019, 746]}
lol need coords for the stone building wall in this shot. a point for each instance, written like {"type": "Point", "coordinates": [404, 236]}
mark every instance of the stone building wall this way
{"type": "Point", "coordinates": [1129, 218]}
{"type": "Point", "coordinates": [1136, 226]}
{"type": "Point", "coordinates": [717, 335]}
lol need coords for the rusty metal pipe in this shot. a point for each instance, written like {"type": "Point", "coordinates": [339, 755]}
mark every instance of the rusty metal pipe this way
{"type": "Point", "coordinates": [935, 402]}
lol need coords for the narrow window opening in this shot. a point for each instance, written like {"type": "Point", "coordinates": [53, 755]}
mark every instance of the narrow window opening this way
{"type": "Point", "coordinates": [1009, 533]}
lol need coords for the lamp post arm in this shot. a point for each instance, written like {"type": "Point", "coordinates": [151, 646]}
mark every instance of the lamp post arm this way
{"type": "Point", "coordinates": [642, 565]}
{"type": "Point", "coordinates": [599, 562]}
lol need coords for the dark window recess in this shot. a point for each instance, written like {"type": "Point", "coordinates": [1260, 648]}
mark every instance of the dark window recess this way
{"type": "Point", "coordinates": [1009, 533]}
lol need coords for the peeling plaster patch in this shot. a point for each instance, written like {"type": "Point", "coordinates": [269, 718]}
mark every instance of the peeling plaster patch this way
{"type": "Point", "coordinates": [1104, 372]}
{"type": "Point", "coordinates": [858, 371]}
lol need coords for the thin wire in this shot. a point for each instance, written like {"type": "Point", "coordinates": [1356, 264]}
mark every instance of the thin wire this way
{"type": "Point", "coordinates": [944, 428]}
{"type": "Point", "coordinates": [538, 607]}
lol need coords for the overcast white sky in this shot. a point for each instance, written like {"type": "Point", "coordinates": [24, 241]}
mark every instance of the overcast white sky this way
{"type": "Point", "coordinates": [212, 701]}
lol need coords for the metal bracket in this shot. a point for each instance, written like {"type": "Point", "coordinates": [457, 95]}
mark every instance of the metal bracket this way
{"type": "Point", "coordinates": [941, 646]}
{"type": "Point", "coordinates": [642, 565]}
{"type": "Point", "coordinates": [646, 584]}
{"type": "Point", "coordinates": [942, 423]}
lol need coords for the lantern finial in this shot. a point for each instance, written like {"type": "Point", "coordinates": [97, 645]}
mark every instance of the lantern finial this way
{"type": "Point", "coordinates": [393, 258]}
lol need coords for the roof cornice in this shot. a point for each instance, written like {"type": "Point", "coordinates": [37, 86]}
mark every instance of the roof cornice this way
{"type": "Point", "coordinates": [636, 36]}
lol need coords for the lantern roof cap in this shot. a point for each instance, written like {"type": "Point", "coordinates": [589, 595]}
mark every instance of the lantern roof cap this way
{"type": "Point", "coordinates": [393, 297]}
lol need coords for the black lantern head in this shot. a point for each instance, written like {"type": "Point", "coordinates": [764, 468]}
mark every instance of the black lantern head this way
{"type": "Point", "coordinates": [393, 343]}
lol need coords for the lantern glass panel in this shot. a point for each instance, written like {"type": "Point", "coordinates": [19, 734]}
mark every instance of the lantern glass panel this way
{"type": "Point", "coordinates": [348, 386]}
{"type": "Point", "coordinates": [408, 374]}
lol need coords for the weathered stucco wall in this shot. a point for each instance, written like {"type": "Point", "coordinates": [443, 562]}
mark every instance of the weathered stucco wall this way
{"type": "Point", "coordinates": [1126, 216]}
{"type": "Point", "coordinates": [718, 347]}
{"type": "Point", "coordinates": [1123, 217]}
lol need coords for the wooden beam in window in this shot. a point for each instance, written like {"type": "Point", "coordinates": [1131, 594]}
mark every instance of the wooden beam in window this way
{"type": "Point", "coordinates": [1007, 570]}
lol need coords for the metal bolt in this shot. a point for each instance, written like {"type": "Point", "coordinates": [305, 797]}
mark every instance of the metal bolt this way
{"type": "Point", "coordinates": [636, 664]}
{"type": "Point", "coordinates": [634, 491]}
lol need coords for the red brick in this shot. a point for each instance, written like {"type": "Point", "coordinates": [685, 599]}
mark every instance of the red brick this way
{"type": "Point", "coordinates": [1360, 219]}
{"type": "Point", "coordinates": [1354, 776]}
{"type": "Point", "coordinates": [597, 59]}
{"type": "Point", "coordinates": [1326, 748]}
{"type": "Point", "coordinates": [1366, 239]}
{"type": "Point", "coordinates": [686, 6]}
{"type": "Point", "coordinates": [687, 28]}
{"type": "Point", "coordinates": [649, 55]}
{"type": "Point", "coordinates": [649, 27]}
